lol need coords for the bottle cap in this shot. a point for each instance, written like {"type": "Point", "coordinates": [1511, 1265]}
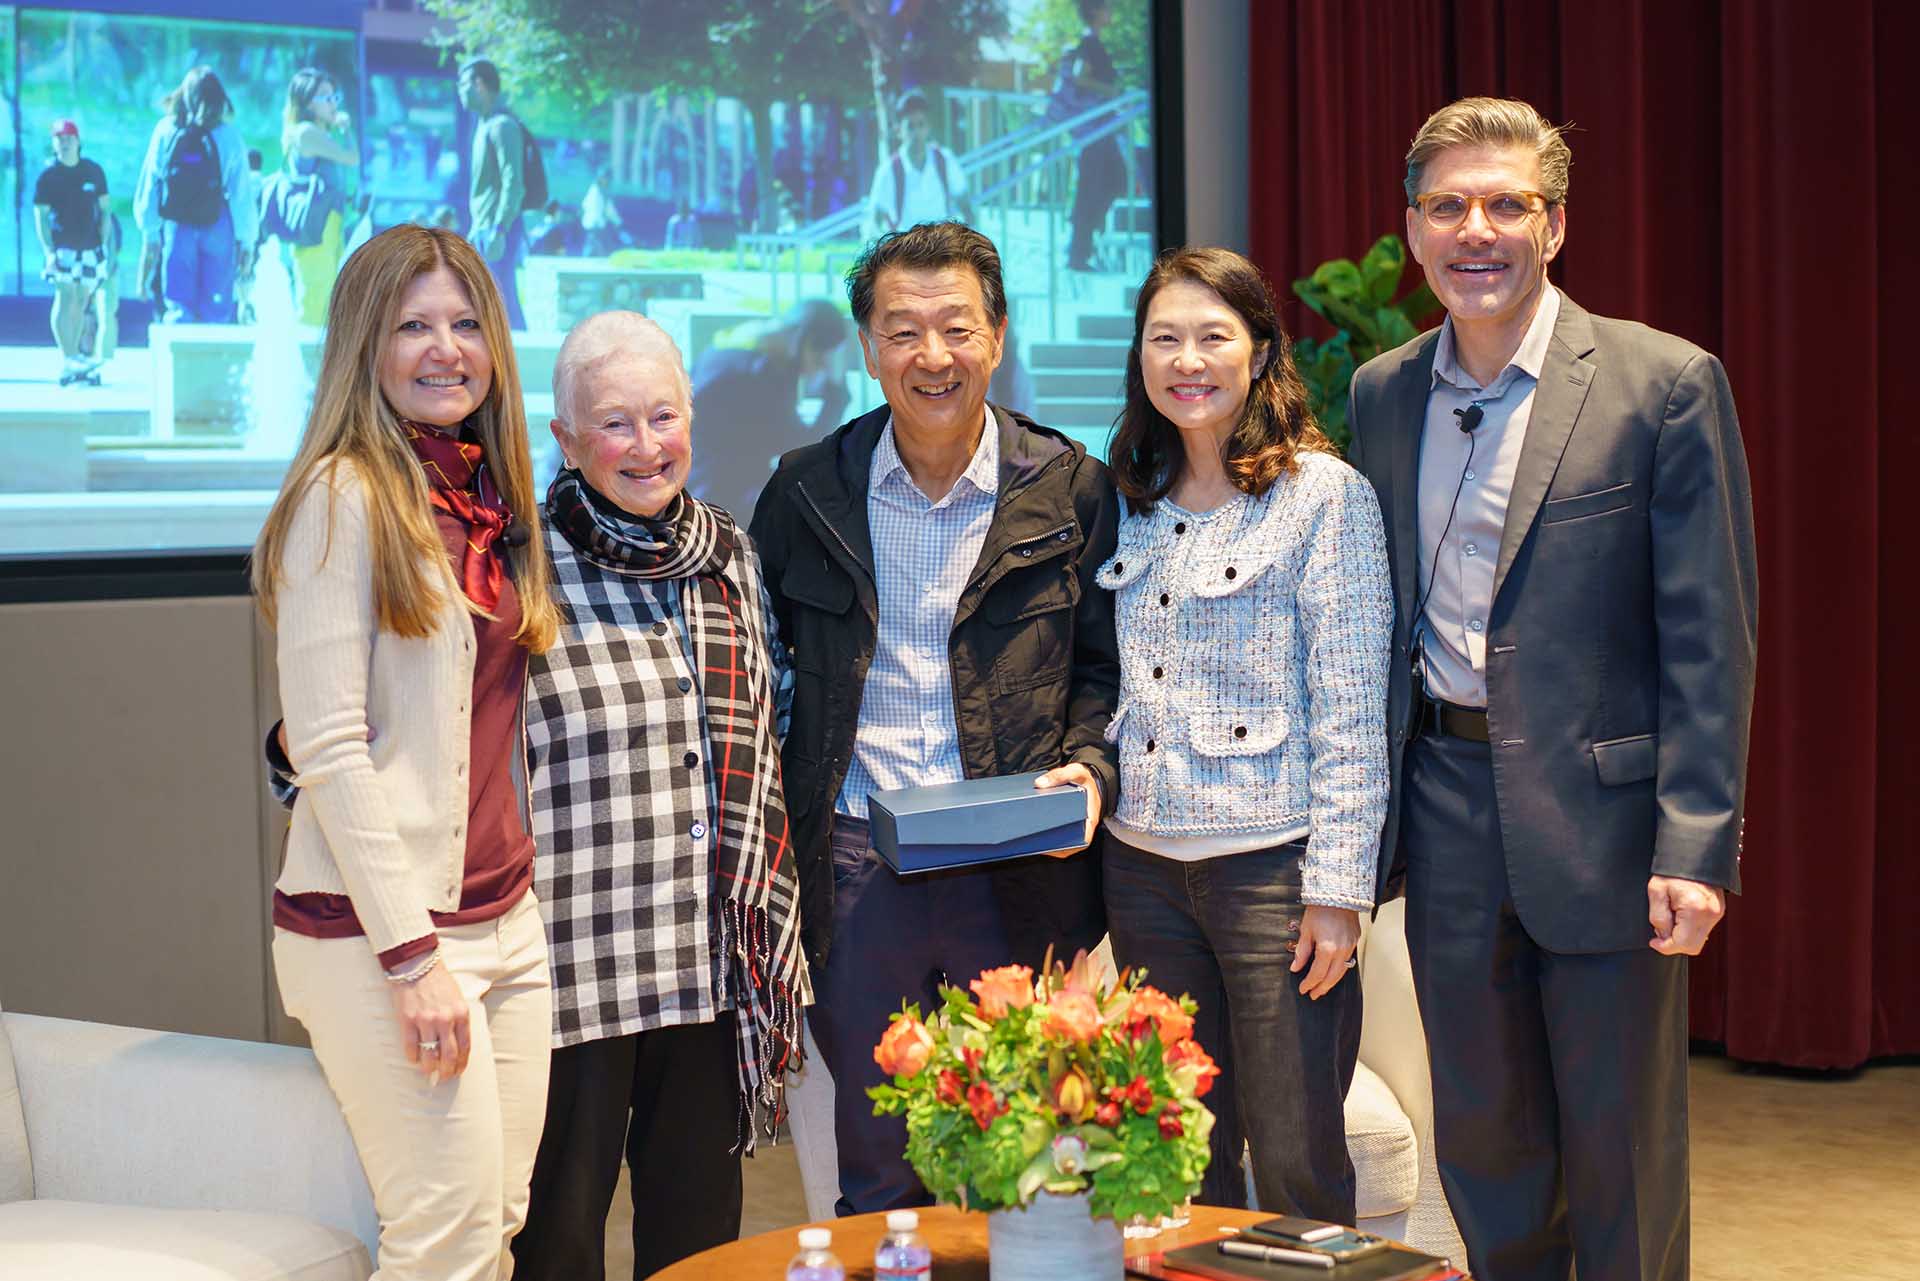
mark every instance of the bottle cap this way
{"type": "Point", "coordinates": [902, 1221]}
{"type": "Point", "coordinates": [815, 1238]}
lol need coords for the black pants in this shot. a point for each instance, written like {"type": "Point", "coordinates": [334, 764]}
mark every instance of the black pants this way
{"type": "Point", "coordinates": [668, 1100]}
{"type": "Point", "coordinates": [1559, 1080]}
{"type": "Point", "coordinates": [895, 938]}
{"type": "Point", "coordinates": [1102, 177]}
{"type": "Point", "coordinates": [1222, 931]}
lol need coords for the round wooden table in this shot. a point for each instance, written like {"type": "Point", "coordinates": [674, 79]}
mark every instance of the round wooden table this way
{"type": "Point", "coordinates": [958, 1238]}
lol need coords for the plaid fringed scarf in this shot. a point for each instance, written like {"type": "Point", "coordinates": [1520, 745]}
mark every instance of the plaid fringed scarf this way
{"type": "Point", "coordinates": [760, 961]}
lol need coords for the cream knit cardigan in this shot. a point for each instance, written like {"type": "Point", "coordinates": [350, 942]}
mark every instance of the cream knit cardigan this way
{"type": "Point", "coordinates": [377, 726]}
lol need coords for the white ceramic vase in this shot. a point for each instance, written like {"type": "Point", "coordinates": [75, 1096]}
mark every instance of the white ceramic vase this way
{"type": "Point", "coordinates": [1053, 1239]}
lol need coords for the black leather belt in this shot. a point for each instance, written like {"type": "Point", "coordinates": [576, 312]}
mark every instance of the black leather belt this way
{"type": "Point", "coordinates": [1455, 722]}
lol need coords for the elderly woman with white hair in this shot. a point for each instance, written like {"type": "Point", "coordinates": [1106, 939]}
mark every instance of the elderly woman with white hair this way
{"type": "Point", "coordinates": [662, 861]}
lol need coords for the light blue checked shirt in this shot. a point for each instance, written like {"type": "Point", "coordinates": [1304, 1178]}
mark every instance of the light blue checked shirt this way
{"type": "Point", "coordinates": [923, 552]}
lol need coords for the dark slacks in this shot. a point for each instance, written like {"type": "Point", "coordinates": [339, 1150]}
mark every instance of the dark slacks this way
{"type": "Point", "coordinates": [895, 938]}
{"type": "Point", "coordinates": [1102, 178]}
{"type": "Point", "coordinates": [680, 1087]}
{"type": "Point", "coordinates": [1559, 1080]}
{"type": "Point", "coordinates": [1221, 930]}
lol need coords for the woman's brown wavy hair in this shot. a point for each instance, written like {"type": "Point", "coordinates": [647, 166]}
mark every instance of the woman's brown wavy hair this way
{"type": "Point", "coordinates": [1276, 423]}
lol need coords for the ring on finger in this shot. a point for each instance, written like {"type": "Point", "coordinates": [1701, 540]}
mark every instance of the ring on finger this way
{"type": "Point", "coordinates": [429, 1047]}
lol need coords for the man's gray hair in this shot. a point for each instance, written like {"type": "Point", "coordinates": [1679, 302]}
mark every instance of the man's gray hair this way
{"type": "Point", "coordinates": [601, 335]}
{"type": "Point", "coordinates": [1492, 122]}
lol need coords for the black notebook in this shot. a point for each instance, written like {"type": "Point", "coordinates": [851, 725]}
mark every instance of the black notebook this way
{"type": "Point", "coordinates": [1396, 1264]}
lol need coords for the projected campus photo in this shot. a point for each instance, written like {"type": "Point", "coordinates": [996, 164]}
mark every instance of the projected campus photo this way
{"type": "Point", "coordinates": [179, 191]}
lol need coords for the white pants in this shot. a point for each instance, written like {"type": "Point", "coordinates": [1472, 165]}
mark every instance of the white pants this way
{"type": "Point", "coordinates": [449, 1164]}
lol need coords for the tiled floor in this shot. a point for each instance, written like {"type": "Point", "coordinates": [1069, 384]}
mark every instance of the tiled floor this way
{"type": "Point", "coordinates": [1773, 1154]}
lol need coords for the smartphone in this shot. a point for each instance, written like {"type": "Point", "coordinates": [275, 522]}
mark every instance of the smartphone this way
{"type": "Point", "coordinates": [1342, 1243]}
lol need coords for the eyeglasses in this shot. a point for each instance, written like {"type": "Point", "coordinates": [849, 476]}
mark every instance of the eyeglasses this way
{"type": "Point", "coordinates": [332, 98]}
{"type": "Point", "coordinates": [1445, 210]}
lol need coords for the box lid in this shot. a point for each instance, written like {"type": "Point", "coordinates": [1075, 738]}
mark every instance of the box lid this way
{"type": "Point", "coordinates": [995, 809]}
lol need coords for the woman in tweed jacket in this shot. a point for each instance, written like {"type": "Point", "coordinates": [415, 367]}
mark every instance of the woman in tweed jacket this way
{"type": "Point", "coordinates": [1253, 609]}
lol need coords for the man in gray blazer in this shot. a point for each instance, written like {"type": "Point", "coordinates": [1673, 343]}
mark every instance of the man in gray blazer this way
{"type": "Point", "coordinates": [1571, 536]}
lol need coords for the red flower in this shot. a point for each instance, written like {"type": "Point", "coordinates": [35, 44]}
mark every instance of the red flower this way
{"type": "Point", "coordinates": [1192, 1066]}
{"type": "Point", "coordinates": [984, 1106]}
{"type": "Point", "coordinates": [949, 1088]}
{"type": "Point", "coordinates": [972, 1059]}
{"type": "Point", "coordinates": [1008, 988]}
{"type": "Point", "coordinates": [1107, 1114]}
{"type": "Point", "coordinates": [905, 1048]}
{"type": "Point", "coordinates": [1170, 1127]}
{"type": "Point", "coordinates": [1140, 1094]}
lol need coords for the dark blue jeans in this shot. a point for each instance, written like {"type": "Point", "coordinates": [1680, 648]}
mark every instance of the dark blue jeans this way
{"type": "Point", "coordinates": [513, 247]}
{"type": "Point", "coordinates": [197, 270]}
{"type": "Point", "coordinates": [895, 938]}
{"type": "Point", "coordinates": [1222, 931]}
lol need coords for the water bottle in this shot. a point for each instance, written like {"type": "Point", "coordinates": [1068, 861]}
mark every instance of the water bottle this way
{"type": "Point", "coordinates": [903, 1254]}
{"type": "Point", "coordinates": [815, 1262]}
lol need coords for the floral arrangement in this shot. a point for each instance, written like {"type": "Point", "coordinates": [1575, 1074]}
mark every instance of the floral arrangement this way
{"type": "Point", "coordinates": [1058, 1084]}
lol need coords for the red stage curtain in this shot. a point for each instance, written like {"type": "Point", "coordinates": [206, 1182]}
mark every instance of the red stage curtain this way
{"type": "Point", "coordinates": [1744, 176]}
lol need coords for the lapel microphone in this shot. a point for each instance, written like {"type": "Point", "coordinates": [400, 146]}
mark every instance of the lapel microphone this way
{"type": "Point", "coordinates": [1470, 417]}
{"type": "Point", "coordinates": [515, 534]}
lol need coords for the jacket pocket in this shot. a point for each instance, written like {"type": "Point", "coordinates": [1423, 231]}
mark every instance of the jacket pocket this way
{"type": "Point", "coordinates": [818, 585]}
{"type": "Point", "coordinates": [1038, 591]}
{"type": "Point", "coordinates": [1598, 502]}
{"type": "Point", "coordinates": [1228, 736]}
{"type": "Point", "coordinates": [1620, 761]}
{"type": "Point", "coordinates": [1031, 626]}
{"type": "Point", "coordinates": [1224, 575]}
{"type": "Point", "coordinates": [1128, 564]}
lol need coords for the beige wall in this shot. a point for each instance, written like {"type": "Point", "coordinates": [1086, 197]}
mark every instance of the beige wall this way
{"type": "Point", "coordinates": [134, 865]}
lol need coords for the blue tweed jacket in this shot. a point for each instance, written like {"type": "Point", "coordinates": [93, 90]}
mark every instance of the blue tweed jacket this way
{"type": "Point", "coordinates": [1253, 671]}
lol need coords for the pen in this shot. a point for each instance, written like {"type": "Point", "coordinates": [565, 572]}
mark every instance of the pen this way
{"type": "Point", "coordinates": [1275, 1254]}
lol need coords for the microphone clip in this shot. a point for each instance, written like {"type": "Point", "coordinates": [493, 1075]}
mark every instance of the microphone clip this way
{"type": "Point", "coordinates": [1470, 417]}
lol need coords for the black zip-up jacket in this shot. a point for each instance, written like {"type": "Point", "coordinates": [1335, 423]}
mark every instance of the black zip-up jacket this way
{"type": "Point", "coordinates": [1032, 653]}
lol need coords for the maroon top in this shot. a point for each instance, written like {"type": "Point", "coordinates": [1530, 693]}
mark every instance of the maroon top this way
{"type": "Point", "coordinates": [499, 859]}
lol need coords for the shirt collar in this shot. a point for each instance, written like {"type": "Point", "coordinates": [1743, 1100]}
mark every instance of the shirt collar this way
{"type": "Point", "coordinates": [1530, 359]}
{"type": "Point", "coordinates": [983, 472]}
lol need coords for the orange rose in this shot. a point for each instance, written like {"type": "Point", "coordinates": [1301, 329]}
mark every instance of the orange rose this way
{"type": "Point", "coordinates": [906, 1047]}
{"type": "Point", "coordinates": [1074, 1015]}
{"type": "Point", "coordinates": [1192, 1066]}
{"type": "Point", "coordinates": [1073, 1095]}
{"type": "Point", "coordinates": [1008, 988]}
{"type": "Point", "coordinates": [1149, 1005]}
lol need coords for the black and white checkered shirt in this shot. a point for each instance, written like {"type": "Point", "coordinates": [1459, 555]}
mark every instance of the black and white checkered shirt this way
{"type": "Point", "coordinates": [623, 801]}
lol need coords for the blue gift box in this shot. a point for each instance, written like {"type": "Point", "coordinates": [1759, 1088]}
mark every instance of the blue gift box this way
{"type": "Point", "coordinates": [981, 820]}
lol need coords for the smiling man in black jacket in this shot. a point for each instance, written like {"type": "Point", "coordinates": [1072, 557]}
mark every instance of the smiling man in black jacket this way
{"type": "Point", "coordinates": [931, 565]}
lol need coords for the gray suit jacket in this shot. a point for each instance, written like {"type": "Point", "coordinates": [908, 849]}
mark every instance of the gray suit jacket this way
{"type": "Point", "coordinates": [1620, 654]}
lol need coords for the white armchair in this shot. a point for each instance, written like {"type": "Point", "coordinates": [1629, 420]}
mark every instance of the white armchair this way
{"type": "Point", "coordinates": [1389, 1109]}
{"type": "Point", "coordinates": [165, 1157]}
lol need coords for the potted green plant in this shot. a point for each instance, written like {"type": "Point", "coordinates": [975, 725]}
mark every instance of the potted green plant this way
{"type": "Point", "coordinates": [1357, 299]}
{"type": "Point", "coordinates": [1063, 1105]}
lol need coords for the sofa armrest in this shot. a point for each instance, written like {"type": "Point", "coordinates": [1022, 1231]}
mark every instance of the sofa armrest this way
{"type": "Point", "coordinates": [1392, 1039]}
{"type": "Point", "coordinates": [163, 1119]}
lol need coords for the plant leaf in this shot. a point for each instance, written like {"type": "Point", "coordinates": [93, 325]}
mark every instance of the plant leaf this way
{"type": "Point", "coordinates": [1381, 268]}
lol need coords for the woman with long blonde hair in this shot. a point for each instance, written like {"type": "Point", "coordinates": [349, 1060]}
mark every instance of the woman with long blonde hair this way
{"type": "Point", "coordinates": [403, 570]}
